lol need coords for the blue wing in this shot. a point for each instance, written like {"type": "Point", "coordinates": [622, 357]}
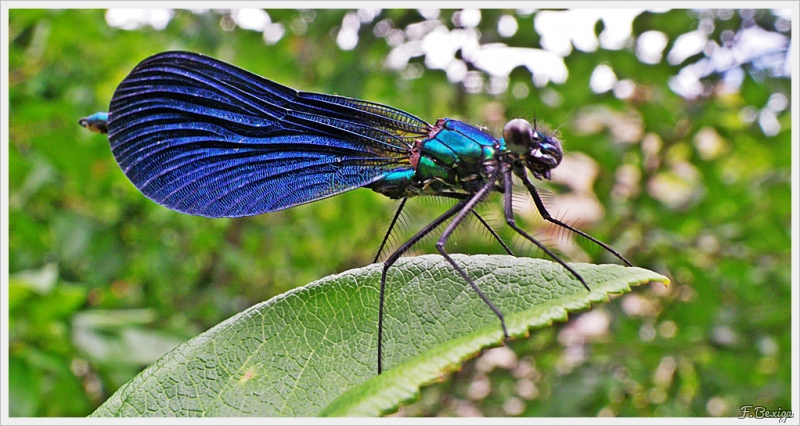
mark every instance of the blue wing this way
{"type": "Point", "coordinates": [203, 137]}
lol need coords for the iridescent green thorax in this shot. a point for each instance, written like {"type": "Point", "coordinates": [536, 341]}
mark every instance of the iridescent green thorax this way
{"type": "Point", "coordinates": [454, 158]}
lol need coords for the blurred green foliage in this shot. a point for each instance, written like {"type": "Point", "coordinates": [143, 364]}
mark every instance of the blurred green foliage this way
{"type": "Point", "coordinates": [104, 281]}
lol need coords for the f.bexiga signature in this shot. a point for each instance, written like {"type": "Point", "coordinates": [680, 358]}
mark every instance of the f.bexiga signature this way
{"type": "Point", "coordinates": [759, 412]}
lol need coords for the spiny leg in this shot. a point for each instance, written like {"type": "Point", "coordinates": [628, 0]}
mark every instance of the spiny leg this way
{"type": "Point", "coordinates": [389, 231]}
{"type": "Point", "coordinates": [546, 216]}
{"type": "Point", "coordinates": [507, 183]}
{"type": "Point", "coordinates": [465, 210]}
{"type": "Point", "coordinates": [396, 255]}
{"type": "Point", "coordinates": [454, 195]}
{"type": "Point", "coordinates": [494, 234]}
{"type": "Point", "coordinates": [483, 222]}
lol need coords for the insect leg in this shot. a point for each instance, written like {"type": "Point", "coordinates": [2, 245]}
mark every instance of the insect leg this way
{"type": "Point", "coordinates": [453, 195]}
{"type": "Point", "coordinates": [465, 210]}
{"type": "Point", "coordinates": [494, 234]}
{"type": "Point", "coordinates": [483, 222]}
{"type": "Point", "coordinates": [546, 216]}
{"type": "Point", "coordinates": [507, 182]}
{"type": "Point", "coordinates": [389, 231]}
{"type": "Point", "coordinates": [396, 255]}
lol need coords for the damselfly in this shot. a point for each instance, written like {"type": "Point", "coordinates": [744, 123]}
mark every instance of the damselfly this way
{"type": "Point", "coordinates": [203, 137]}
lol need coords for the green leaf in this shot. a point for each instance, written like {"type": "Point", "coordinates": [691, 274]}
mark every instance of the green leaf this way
{"type": "Point", "coordinates": [27, 385]}
{"type": "Point", "coordinates": [312, 351]}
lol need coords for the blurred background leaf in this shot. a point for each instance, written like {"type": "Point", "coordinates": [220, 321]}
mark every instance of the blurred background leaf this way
{"type": "Point", "coordinates": [677, 131]}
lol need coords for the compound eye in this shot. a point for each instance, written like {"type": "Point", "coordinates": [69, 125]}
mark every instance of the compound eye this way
{"type": "Point", "coordinates": [519, 135]}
